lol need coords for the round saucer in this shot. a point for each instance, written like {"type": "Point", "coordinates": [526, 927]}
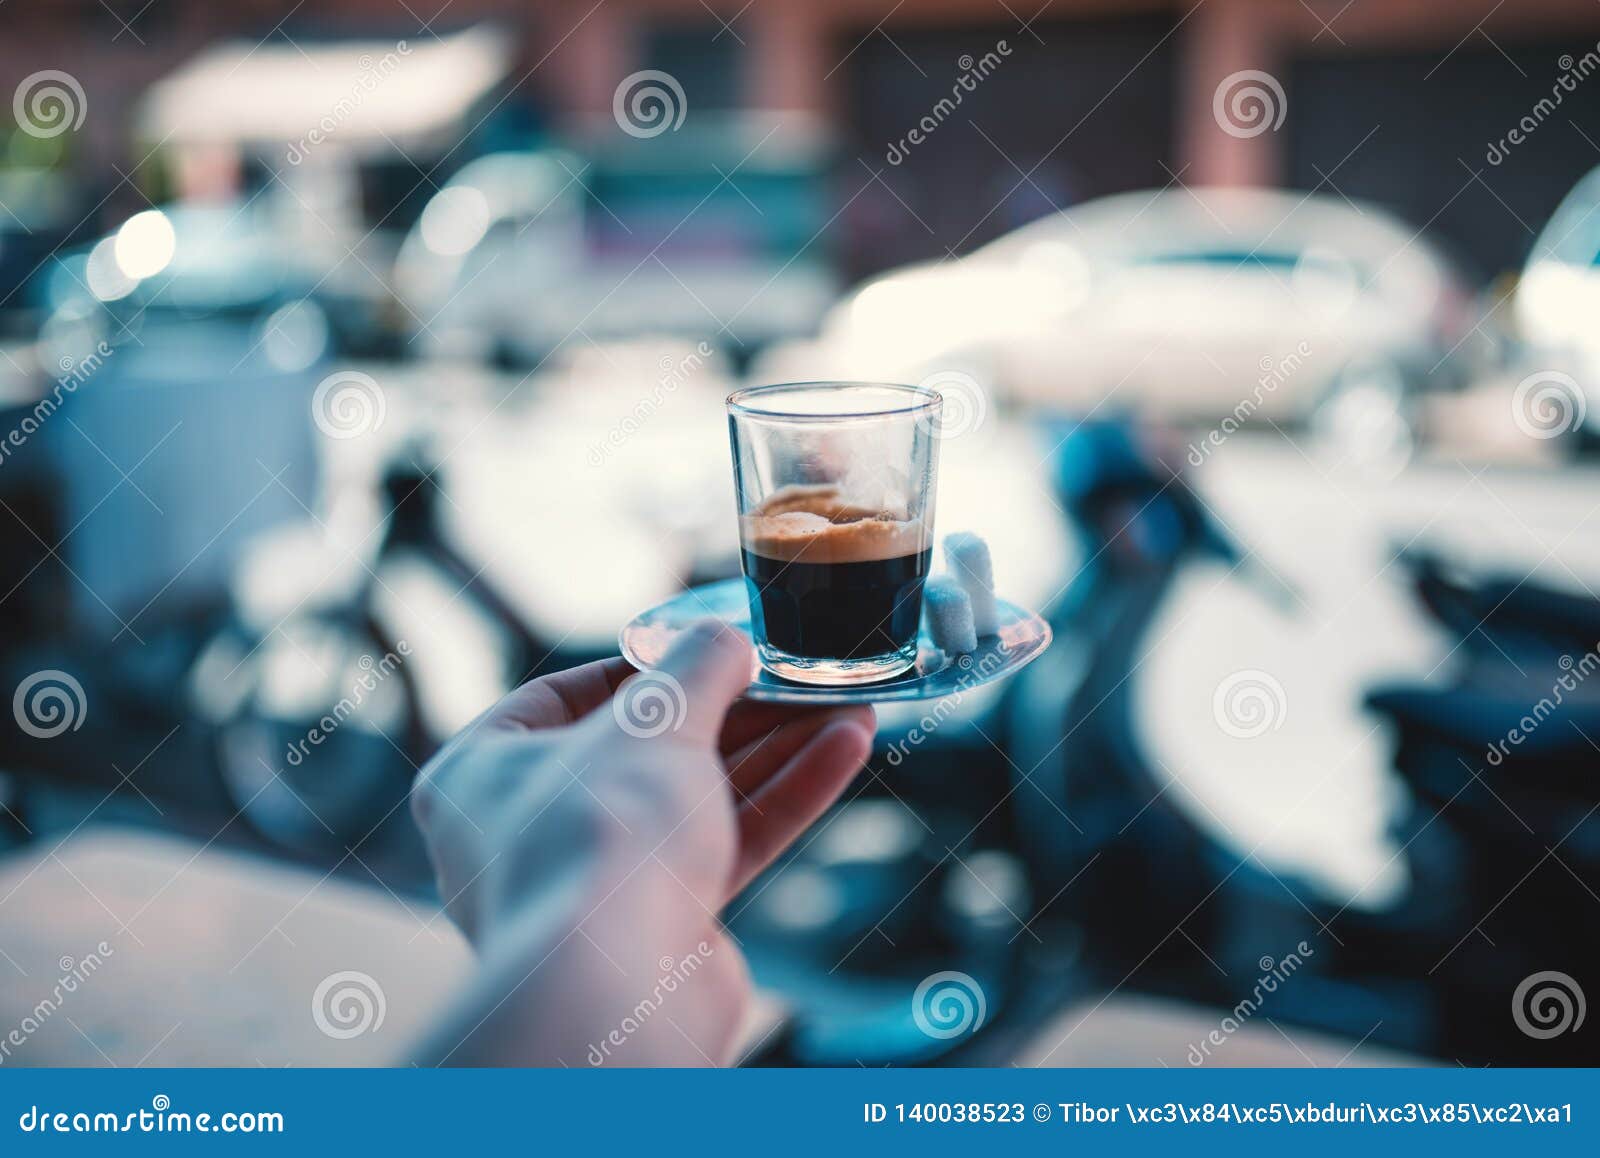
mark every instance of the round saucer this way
{"type": "Point", "coordinates": [1022, 638]}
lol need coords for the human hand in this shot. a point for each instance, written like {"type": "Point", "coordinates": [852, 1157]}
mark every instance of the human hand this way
{"type": "Point", "coordinates": [589, 827]}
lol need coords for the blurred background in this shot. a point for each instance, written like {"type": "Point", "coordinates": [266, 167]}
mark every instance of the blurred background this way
{"type": "Point", "coordinates": [360, 360]}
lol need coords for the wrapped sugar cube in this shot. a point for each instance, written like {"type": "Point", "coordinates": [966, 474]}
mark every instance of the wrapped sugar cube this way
{"type": "Point", "coordinates": [948, 611]}
{"type": "Point", "coordinates": [967, 556]}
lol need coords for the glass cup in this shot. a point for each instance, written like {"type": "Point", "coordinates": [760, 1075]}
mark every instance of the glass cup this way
{"type": "Point", "coordinates": [835, 484]}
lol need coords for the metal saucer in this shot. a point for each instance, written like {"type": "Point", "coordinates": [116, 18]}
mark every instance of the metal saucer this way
{"type": "Point", "coordinates": [1023, 637]}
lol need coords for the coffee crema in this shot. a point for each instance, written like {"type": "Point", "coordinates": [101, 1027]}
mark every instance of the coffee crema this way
{"type": "Point", "coordinates": [814, 524]}
{"type": "Point", "coordinates": [832, 580]}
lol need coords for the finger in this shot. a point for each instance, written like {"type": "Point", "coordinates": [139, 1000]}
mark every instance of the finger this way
{"type": "Point", "coordinates": [752, 719]}
{"type": "Point", "coordinates": [699, 678]}
{"type": "Point", "coordinates": [800, 792]}
{"type": "Point", "coordinates": [754, 763]}
{"type": "Point", "coordinates": [561, 698]}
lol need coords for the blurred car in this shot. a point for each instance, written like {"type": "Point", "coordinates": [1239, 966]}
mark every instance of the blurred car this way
{"type": "Point", "coordinates": [1181, 302]}
{"type": "Point", "coordinates": [704, 233]}
{"type": "Point", "coordinates": [216, 260]}
{"type": "Point", "coordinates": [1557, 300]}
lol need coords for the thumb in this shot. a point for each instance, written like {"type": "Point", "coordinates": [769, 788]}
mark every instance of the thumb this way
{"type": "Point", "coordinates": [691, 690]}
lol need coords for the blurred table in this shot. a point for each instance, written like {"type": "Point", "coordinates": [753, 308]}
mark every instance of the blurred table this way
{"type": "Point", "coordinates": [215, 957]}
{"type": "Point", "coordinates": [1131, 1031]}
{"type": "Point", "coordinates": [1314, 795]}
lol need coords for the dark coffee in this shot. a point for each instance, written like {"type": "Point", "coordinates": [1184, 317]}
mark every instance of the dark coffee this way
{"type": "Point", "coordinates": [849, 610]}
{"type": "Point", "coordinates": [832, 580]}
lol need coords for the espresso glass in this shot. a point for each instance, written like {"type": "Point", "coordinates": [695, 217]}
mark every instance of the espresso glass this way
{"type": "Point", "coordinates": [835, 486]}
